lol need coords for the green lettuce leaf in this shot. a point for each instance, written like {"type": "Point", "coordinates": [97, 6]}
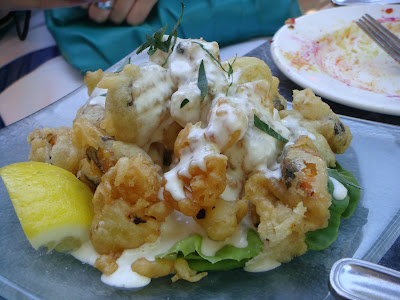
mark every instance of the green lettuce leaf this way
{"type": "Point", "coordinates": [349, 181]}
{"type": "Point", "coordinates": [322, 238]}
{"type": "Point", "coordinates": [227, 258]}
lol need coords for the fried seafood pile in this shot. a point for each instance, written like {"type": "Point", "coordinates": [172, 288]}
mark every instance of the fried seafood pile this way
{"type": "Point", "coordinates": [163, 141]}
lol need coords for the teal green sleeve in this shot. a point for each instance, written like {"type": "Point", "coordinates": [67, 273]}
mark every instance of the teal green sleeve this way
{"type": "Point", "coordinates": [89, 46]}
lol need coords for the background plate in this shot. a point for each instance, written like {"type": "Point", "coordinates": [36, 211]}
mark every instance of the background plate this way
{"type": "Point", "coordinates": [297, 52]}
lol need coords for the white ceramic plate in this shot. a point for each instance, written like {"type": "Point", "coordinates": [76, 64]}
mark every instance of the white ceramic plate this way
{"type": "Point", "coordinates": [328, 53]}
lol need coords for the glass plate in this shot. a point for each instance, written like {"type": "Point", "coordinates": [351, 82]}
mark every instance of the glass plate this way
{"type": "Point", "coordinates": [373, 157]}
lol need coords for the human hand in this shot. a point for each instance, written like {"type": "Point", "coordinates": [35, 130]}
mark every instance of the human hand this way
{"type": "Point", "coordinates": [134, 12]}
{"type": "Point", "coordinates": [40, 4]}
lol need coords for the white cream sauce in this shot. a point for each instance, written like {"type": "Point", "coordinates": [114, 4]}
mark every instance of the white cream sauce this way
{"type": "Point", "coordinates": [261, 263]}
{"type": "Point", "coordinates": [339, 190]}
{"type": "Point", "coordinates": [176, 227]}
{"type": "Point", "coordinates": [295, 129]}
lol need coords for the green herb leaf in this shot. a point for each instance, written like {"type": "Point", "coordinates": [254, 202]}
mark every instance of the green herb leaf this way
{"type": "Point", "coordinates": [202, 82]}
{"type": "Point", "coordinates": [268, 130]}
{"type": "Point", "coordinates": [104, 95]}
{"type": "Point", "coordinates": [349, 181]}
{"type": "Point", "coordinates": [230, 70]}
{"type": "Point", "coordinates": [341, 176]}
{"type": "Point", "coordinates": [184, 102]}
{"type": "Point", "coordinates": [126, 62]}
{"type": "Point", "coordinates": [155, 41]}
{"type": "Point", "coordinates": [227, 258]}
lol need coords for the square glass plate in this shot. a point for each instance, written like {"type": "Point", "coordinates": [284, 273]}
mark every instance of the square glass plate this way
{"type": "Point", "coordinates": [373, 157]}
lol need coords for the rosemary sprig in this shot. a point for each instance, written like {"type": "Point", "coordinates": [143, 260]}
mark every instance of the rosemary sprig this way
{"type": "Point", "coordinates": [155, 41]}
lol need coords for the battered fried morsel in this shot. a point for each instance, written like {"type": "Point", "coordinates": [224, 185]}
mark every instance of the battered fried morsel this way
{"type": "Point", "coordinates": [296, 203]}
{"type": "Point", "coordinates": [99, 161]}
{"type": "Point", "coordinates": [304, 179]}
{"type": "Point", "coordinates": [135, 96]}
{"type": "Point", "coordinates": [107, 264]}
{"type": "Point", "coordinates": [183, 65]}
{"type": "Point", "coordinates": [163, 267]}
{"type": "Point", "coordinates": [280, 226]}
{"type": "Point", "coordinates": [318, 116]}
{"type": "Point", "coordinates": [127, 210]}
{"type": "Point", "coordinates": [199, 177]}
{"type": "Point", "coordinates": [153, 269]}
{"type": "Point", "coordinates": [201, 186]}
{"type": "Point", "coordinates": [183, 271]}
{"type": "Point", "coordinates": [91, 79]}
{"type": "Point", "coordinates": [54, 146]}
{"type": "Point", "coordinates": [251, 69]}
{"type": "Point", "coordinates": [222, 219]}
{"type": "Point", "coordinates": [101, 150]}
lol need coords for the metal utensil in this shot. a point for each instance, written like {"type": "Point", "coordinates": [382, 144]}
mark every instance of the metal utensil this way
{"type": "Point", "coordinates": [358, 279]}
{"type": "Point", "coordinates": [382, 36]}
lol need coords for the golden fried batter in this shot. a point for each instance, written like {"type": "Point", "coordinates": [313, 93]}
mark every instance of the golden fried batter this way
{"type": "Point", "coordinates": [54, 146]}
{"type": "Point", "coordinates": [201, 187]}
{"type": "Point", "coordinates": [136, 102]}
{"type": "Point", "coordinates": [318, 116]}
{"type": "Point", "coordinates": [183, 271]}
{"type": "Point", "coordinates": [280, 226]}
{"type": "Point", "coordinates": [153, 269]}
{"type": "Point", "coordinates": [252, 69]}
{"type": "Point", "coordinates": [304, 179]}
{"type": "Point", "coordinates": [107, 263]}
{"type": "Point", "coordinates": [293, 205]}
{"type": "Point", "coordinates": [222, 219]}
{"type": "Point", "coordinates": [127, 210]}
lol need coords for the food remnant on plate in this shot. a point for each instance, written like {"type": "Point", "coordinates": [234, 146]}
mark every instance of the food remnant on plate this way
{"type": "Point", "coordinates": [351, 57]}
{"type": "Point", "coordinates": [290, 21]}
{"type": "Point", "coordinates": [196, 165]}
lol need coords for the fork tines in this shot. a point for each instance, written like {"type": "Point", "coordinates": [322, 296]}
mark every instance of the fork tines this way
{"type": "Point", "coordinates": [382, 36]}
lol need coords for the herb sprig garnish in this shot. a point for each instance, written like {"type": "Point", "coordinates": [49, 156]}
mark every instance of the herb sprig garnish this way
{"type": "Point", "coordinates": [230, 65]}
{"type": "Point", "coordinates": [184, 102]}
{"type": "Point", "coordinates": [155, 41]}
{"type": "Point", "coordinates": [202, 82]}
{"type": "Point", "coordinates": [265, 127]}
{"type": "Point", "coordinates": [127, 61]}
{"type": "Point", "coordinates": [336, 174]}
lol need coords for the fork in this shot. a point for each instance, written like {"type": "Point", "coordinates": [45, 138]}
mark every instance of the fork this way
{"type": "Point", "coordinates": [382, 36]}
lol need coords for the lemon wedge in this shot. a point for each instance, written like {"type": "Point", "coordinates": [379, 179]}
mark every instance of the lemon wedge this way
{"type": "Point", "coordinates": [54, 207]}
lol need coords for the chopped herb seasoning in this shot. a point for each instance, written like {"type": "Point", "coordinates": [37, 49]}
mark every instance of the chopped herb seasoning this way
{"type": "Point", "coordinates": [268, 130]}
{"type": "Point", "coordinates": [184, 102]}
{"type": "Point", "coordinates": [202, 82]}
